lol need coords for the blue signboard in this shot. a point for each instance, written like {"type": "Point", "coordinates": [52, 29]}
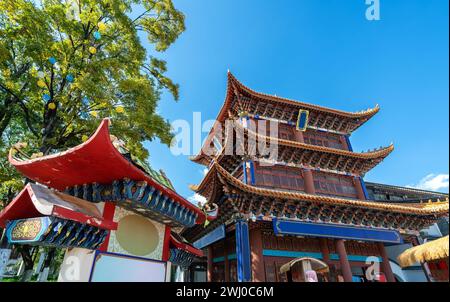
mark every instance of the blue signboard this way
{"type": "Point", "coordinates": [300, 228]}
{"type": "Point", "coordinates": [211, 237]}
{"type": "Point", "coordinates": [302, 121]}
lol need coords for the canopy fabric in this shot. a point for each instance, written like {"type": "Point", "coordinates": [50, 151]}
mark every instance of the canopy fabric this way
{"type": "Point", "coordinates": [317, 265]}
{"type": "Point", "coordinates": [433, 250]}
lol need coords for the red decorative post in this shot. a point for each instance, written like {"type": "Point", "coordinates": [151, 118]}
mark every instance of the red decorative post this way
{"type": "Point", "coordinates": [344, 143]}
{"type": "Point", "coordinates": [257, 255]}
{"type": "Point", "coordinates": [345, 265]}
{"type": "Point", "coordinates": [309, 181]}
{"type": "Point", "coordinates": [385, 263]}
{"type": "Point", "coordinates": [210, 264]}
{"type": "Point", "coordinates": [324, 250]}
{"type": "Point", "coordinates": [299, 136]}
{"type": "Point", "coordinates": [359, 189]}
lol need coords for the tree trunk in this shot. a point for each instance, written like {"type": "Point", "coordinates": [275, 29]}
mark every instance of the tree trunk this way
{"type": "Point", "coordinates": [27, 259]}
{"type": "Point", "coordinates": [43, 276]}
{"type": "Point", "coordinates": [4, 120]}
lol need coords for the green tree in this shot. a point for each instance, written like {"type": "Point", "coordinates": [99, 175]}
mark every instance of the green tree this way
{"type": "Point", "coordinates": [65, 64]}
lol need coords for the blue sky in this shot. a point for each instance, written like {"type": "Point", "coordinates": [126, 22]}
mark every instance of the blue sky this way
{"type": "Point", "coordinates": [324, 52]}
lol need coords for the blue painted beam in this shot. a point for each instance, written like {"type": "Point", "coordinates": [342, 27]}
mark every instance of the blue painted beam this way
{"type": "Point", "coordinates": [213, 236]}
{"type": "Point", "coordinates": [295, 254]}
{"type": "Point", "coordinates": [222, 259]}
{"type": "Point", "coordinates": [301, 228]}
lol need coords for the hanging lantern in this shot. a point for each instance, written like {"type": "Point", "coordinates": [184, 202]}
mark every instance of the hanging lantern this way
{"type": "Point", "coordinates": [41, 84]}
{"type": "Point", "coordinates": [52, 106]}
{"type": "Point", "coordinates": [101, 26]}
{"type": "Point", "coordinates": [120, 109]}
{"type": "Point", "coordinates": [85, 101]}
{"type": "Point", "coordinates": [97, 35]}
{"type": "Point", "coordinates": [92, 50]}
{"type": "Point", "coordinates": [69, 78]}
{"type": "Point", "coordinates": [46, 97]}
{"type": "Point", "coordinates": [52, 60]}
{"type": "Point", "coordinates": [94, 113]}
{"type": "Point", "coordinates": [41, 74]}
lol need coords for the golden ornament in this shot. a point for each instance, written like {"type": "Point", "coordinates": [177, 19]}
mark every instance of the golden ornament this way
{"type": "Point", "coordinates": [101, 26]}
{"type": "Point", "coordinates": [41, 84]}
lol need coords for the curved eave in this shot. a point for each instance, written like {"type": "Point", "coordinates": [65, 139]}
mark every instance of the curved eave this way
{"type": "Point", "coordinates": [37, 201]}
{"type": "Point", "coordinates": [362, 114]}
{"type": "Point", "coordinates": [380, 153]}
{"type": "Point", "coordinates": [201, 159]}
{"type": "Point", "coordinates": [94, 161]}
{"type": "Point", "coordinates": [426, 209]}
{"type": "Point", "coordinates": [207, 186]}
{"type": "Point", "coordinates": [185, 247]}
{"type": "Point", "coordinates": [234, 84]}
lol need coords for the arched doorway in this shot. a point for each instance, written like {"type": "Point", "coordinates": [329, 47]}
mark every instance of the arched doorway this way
{"type": "Point", "coordinates": [305, 269]}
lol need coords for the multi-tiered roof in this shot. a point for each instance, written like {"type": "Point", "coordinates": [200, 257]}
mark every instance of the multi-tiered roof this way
{"type": "Point", "coordinates": [234, 196]}
{"type": "Point", "coordinates": [242, 100]}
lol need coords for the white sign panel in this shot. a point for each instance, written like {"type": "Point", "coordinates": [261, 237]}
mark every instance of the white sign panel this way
{"type": "Point", "coordinates": [118, 268]}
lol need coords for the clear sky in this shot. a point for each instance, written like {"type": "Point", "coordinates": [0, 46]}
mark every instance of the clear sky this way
{"type": "Point", "coordinates": [324, 52]}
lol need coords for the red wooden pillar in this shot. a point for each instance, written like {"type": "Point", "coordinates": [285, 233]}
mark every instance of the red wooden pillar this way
{"type": "Point", "coordinates": [257, 259]}
{"type": "Point", "coordinates": [385, 263]}
{"type": "Point", "coordinates": [309, 181]}
{"type": "Point", "coordinates": [324, 250]}
{"type": "Point", "coordinates": [299, 136]}
{"type": "Point", "coordinates": [210, 264]}
{"type": "Point", "coordinates": [343, 141]}
{"type": "Point", "coordinates": [359, 189]}
{"type": "Point", "coordinates": [343, 259]}
{"type": "Point", "coordinates": [226, 261]}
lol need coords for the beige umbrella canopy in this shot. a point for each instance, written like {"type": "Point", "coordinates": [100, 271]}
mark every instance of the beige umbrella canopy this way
{"type": "Point", "coordinates": [433, 250]}
{"type": "Point", "coordinates": [317, 265]}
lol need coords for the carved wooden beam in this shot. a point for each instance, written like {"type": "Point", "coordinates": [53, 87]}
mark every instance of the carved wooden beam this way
{"type": "Point", "coordinates": [324, 123]}
{"type": "Point", "coordinates": [292, 115]}
{"type": "Point", "coordinates": [322, 156]}
{"type": "Point", "coordinates": [316, 122]}
{"type": "Point", "coordinates": [333, 122]}
{"type": "Point", "coordinates": [341, 123]}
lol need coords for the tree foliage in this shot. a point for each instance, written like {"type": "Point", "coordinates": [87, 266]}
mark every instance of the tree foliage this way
{"type": "Point", "coordinates": [65, 64]}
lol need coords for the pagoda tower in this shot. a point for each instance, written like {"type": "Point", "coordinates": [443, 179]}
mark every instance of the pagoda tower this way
{"type": "Point", "coordinates": [301, 211]}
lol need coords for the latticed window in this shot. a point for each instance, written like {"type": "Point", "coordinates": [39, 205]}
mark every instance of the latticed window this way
{"type": "Point", "coordinates": [323, 139]}
{"type": "Point", "coordinates": [286, 132]}
{"type": "Point", "coordinates": [280, 177]}
{"type": "Point", "coordinates": [334, 185]}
